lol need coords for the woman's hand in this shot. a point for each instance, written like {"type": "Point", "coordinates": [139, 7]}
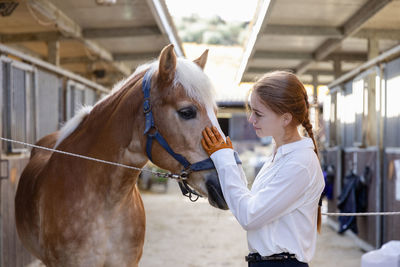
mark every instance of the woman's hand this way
{"type": "Point", "coordinates": [213, 141]}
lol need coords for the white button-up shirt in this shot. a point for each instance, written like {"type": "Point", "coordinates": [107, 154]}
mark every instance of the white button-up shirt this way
{"type": "Point", "coordinates": [280, 211]}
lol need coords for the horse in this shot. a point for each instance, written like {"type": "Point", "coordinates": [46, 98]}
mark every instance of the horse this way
{"type": "Point", "coordinates": [75, 212]}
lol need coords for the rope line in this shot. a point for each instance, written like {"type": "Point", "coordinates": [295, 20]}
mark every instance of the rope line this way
{"type": "Point", "coordinates": [169, 175]}
{"type": "Point", "coordinates": [160, 174]}
{"type": "Point", "coordinates": [388, 213]}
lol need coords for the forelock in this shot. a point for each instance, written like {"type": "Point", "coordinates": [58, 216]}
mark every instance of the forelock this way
{"type": "Point", "coordinates": [196, 83]}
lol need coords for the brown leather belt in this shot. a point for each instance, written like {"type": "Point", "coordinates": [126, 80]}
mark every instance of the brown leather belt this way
{"type": "Point", "coordinates": [255, 257]}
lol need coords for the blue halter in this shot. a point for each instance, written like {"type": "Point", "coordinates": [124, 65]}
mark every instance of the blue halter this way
{"type": "Point", "coordinates": [152, 133]}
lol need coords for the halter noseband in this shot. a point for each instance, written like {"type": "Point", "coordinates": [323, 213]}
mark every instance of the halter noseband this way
{"type": "Point", "coordinates": [152, 133]}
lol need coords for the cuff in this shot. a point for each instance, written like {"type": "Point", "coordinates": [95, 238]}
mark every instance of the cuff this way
{"type": "Point", "coordinates": [223, 157]}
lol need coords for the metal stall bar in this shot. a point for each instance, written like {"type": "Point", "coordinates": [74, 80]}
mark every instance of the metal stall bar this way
{"type": "Point", "coordinates": [385, 56]}
{"type": "Point", "coordinates": [391, 146]}
{"type": "Point", "coordinates": [38, 62]}
{"type": "Point", "coordinates": [376, 65]}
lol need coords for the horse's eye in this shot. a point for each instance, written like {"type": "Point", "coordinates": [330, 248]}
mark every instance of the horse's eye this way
{"type": "Point", "coordinates": [187, 113]}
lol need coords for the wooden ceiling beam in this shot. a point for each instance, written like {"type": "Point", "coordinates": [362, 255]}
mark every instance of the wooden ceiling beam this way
{"type": "Point", "coordinates": [349, 28]}
{"type": "Point", "coordinates": [260, 54]}
{"type": "Point", "coordinates": [331, 32]}
{"type": "Point", "coordinates": [30, 37]}
{"type": "Point", "coordinates": [86, 33]}
{"type": "Point", "coordinates": [94, 33]}
{"type": "Point", "coordinates": [380, 34]}
{"type": "Point", "coordinates": [117, 57]}
{"type": "Point", "coordinates": [298, 30]}
{"type": "Point", "coordinates": [70, 28]}
{"type": "Point", "coordinates": [257, 70]}
{"type": "Point", "coordinates": [288, 55]}
{"type": "Point", "coordinates": [136, 56]}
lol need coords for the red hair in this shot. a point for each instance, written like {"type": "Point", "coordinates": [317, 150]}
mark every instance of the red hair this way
{"type": "Point", "coordinates": [283, 93]}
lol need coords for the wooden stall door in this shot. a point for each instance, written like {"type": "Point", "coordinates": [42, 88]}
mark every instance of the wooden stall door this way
{"type": "Point", "coordinates": [12, 252]}
{"type": "Point", "coordinates": [333, 159]}
{"type": "Point", "coordinates": [358, 159]}
{"type": "Point", "coordinates": [391, 191]}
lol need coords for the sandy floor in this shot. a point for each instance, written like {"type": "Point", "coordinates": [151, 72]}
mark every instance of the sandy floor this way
{"type": "Point", "coordinates": [182, 233]}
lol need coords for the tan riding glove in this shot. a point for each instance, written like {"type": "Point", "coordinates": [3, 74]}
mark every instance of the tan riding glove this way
{"type": "Point", "coordinates": [213, 141]}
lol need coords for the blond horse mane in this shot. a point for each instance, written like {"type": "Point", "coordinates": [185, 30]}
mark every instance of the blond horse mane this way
{"type": "Point", "coordinates": [196, 84]}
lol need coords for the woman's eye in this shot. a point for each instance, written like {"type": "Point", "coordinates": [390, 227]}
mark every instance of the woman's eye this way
{"type": "Point", "coordinates": [187, 113]}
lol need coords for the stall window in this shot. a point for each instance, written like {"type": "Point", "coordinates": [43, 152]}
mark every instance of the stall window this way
{"type": "Point", "coordinates": [47, 108]}
{"type": "Point", "coordinates": [75, 98]}
{"type": "Point", "coordinates": [346, 105]}
{"type": "Point", "coordinates": [78, 96]}
{"type": "Point", "coordinates": [358, 105]}
{"type": "Point", "coordinates": [18, 103]}
{"type": "Point", "coordinates": [392, 118]}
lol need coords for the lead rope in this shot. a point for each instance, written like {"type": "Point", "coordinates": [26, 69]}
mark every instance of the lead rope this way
{"type": "Point", "coordinates": [158, 174]}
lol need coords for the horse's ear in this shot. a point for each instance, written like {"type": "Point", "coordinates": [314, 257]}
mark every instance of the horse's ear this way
{"type": "Point", "coordinates": [166, 69]}
{"type": "Point", "coordinates": [201, 61]}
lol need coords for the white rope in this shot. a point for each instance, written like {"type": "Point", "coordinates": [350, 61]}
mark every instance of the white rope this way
{"type": "Point", "coordinates": [163, 174]}
{"type": "Point", "coordinates": [83, 157]}
{"type": "Point", "coordinates": [388, 213]}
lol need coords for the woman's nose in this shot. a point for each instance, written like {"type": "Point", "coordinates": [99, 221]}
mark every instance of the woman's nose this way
{"type": "Point", "coordinates": [251, 118]}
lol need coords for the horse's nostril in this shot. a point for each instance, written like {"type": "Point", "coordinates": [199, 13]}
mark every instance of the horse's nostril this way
{"type": "Point", "coordinates": [215, 195]}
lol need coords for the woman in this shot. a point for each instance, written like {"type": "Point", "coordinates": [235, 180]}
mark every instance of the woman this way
{"type": "Point", "coordinates": [280, 213]}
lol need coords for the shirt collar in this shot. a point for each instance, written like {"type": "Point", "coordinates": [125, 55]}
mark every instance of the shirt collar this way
{"type": "Point", "coordinates": [305, 142]}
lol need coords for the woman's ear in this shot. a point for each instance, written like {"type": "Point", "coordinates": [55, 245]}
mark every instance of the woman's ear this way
{"type": "Point", "coordinates": [286, 119]}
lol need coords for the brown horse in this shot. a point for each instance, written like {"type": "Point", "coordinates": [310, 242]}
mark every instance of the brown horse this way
{"type": "Point", "coordinates": [75, 212]}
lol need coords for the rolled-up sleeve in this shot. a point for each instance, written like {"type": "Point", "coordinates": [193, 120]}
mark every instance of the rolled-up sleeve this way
{"type": "Point", "coordinates": [280, 195]}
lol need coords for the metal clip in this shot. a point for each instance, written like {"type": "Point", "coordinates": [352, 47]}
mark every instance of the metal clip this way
{"type": "Point", "coordinates": [174, 176]}
{"type": "Point", "coordinates": [159, 174]}
{"type": "Point", "coordinates": [184, 175]}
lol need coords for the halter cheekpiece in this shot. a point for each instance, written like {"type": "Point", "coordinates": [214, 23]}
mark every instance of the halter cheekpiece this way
{"type": "Point", "coordinates": [152, 133]}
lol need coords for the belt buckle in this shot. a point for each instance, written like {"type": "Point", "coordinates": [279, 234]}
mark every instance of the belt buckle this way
{"type": "Point", "coordinates": [284, 256]}
{"type": "Point", "coordinates": [252, 257]}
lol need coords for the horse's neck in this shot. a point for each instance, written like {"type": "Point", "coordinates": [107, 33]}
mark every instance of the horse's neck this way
{"type": "Point", "coordinates": [113, 131]}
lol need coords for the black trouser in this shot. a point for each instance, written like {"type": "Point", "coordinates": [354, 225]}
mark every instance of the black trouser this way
{"type": "Point", "coordinates": [279, 263]}
{"type": "Point", "coordinates": [291, 262]}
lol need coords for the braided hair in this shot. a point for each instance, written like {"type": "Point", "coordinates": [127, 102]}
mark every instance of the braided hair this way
{"type": "Point", "coordinates": [283, 92]}
{"type": "Point", "coordinates": [307, 124]}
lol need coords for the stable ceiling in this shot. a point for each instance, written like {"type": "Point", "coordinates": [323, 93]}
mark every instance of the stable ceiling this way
{"type": "Point", "coordinates": [88, 38]}
{"type": "Point", "coordinates": [319, 39]}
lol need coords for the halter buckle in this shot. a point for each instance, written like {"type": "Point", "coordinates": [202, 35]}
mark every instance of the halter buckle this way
{"type": "Point", "coordinates": [184, 175]}
{"type": "Point", "coordinates": [146, 106]}
{"type": "Point", "coordinates": [152, 131]}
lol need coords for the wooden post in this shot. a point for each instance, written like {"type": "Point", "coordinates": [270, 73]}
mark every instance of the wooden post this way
{"type": "Point", "coordinates": [370, 118]}
{"type": "Point", "coordinates": [334, 129]}
{"type": "Point", "coordinates": [337, 67]}
{"type": "Point", "coordinates": [315, 101]}
{"type": "Point", "coordinates": [53, 52]}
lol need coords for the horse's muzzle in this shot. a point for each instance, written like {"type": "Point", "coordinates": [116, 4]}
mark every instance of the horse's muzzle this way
{"type": "Point", "coordinates": [215, 196]}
